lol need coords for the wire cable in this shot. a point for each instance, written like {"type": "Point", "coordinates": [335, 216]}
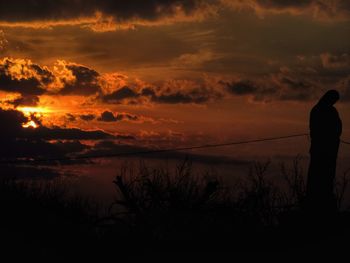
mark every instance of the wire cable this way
{"type": "Point", "coordinates": [112, 155]}
{"type": "Point", "coordinates": [345, 142]}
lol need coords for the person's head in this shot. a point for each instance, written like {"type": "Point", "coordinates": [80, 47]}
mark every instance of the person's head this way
{"type": "Point", "coordinates": [329, 98]}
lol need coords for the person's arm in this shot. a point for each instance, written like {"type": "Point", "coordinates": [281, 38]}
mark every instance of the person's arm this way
{"type": "Point", "coordinates": [340, 125]}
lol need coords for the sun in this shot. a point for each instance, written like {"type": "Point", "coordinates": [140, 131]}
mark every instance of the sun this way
{"type": "Point", "coordinates": [33, 113]}
{"type": "Point", "coordinates": [30, 124]}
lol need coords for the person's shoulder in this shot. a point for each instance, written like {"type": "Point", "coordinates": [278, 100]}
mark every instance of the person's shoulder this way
{"type": "Point", "coordinates": [334, 109]}
{"type": "Point", "coordinates": [315, 109]}
{"type": "Point", "coordinates": [333, 112]}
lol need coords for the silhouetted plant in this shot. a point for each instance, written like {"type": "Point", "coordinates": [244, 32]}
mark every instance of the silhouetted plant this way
{"type": "Point", "coordinates": [157, 198]}
{"type": "Point", "coordinates": [260, 198]}
{"type": "Point", "coordinates": [151, 196]}
{"type": "Point", "coordinates": [47, 213]}
{"type": "Point", "coordinates": [341, 187]}
{"type": "Point", "coordinates": [152, 189]}
{"type": "Point", "coordinates": [296, 185]}
{"type": "Point", "coordinates": [158, 204]}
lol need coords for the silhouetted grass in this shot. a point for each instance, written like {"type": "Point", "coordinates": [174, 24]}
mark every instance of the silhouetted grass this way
{"type": "Point", "coordinates": [196, 214]}
{"type": "Point", "coordinates": [257, 214]}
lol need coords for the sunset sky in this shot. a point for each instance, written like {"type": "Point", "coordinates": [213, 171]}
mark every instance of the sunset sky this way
{"type": "Point", "coordinates": [100, 76]}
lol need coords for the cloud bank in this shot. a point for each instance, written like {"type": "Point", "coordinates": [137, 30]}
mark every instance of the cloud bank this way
{"type": "Point", "coordinates": [318, 9]}
{"type": "Point", "coordinates": [28, 81]}
{"type": "Point", "coordinates": [102, 15]}
{"type": "Point", "coordinates": [111, 15]}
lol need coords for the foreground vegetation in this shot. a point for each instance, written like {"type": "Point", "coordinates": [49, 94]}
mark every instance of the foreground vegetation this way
{"type": "Point", "coordinates": [167, 215]}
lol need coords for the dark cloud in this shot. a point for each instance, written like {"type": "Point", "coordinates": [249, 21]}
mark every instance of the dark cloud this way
{"type": "Point", "coordinates": [240, 87]}
{"type": "Point", "coordinates": [283, 85]}
{"type": "Point", "coordinates": [100, 14]}
{"type": "Point", "coordinates": [303, 82]}
{"type": "Point", "coordinates": [86, 81]}
{"type": "Point", "coordinates": [18, 142]}
{"type": "Point", "coordinates": [284, 3]}
{"type": "Point", "coordinates": [319, 9]}
{"type": "Point", "coordinates": [43, 142]}
{"type": "Point", "coordinates": [148, 92]}
{"type": "Point", "coordinates": [27, 100]}
{"type": "Point", "coordinates": [120, 94]}
{"type": "Point", "coordinates": [57, 133]}
{"type": "Point", "coordinates": [24, 77]}
{"type": "Point", "coordinates": [18, 10]}
{"type": "Point", "coordinates": [12, 129]}
{"type": "Point", "coordinates": [25, 148]}
{"type": "Point", "coordinates": [260, 90]}
{"type": "Point", "coordinates": [24, 86]}
{"type": "Point", "coordinates": [178, 97]}
{"type": "Point", "coordinates": [32, 80]}
{"type": "Point", "coordinates": [127, 116]}
{"type": "Point", "coordinates": [297, 89]}
{"type": "Point", "coordinates": [70, 117]}
{"type": "Point", "coordinates": [107, 116]}
{"type": "Point", "coordinates": [184, 92]}
{"type": "Point", "coordinates": [174, 93]}
{"type": "Point", "coordinates": [87, 117]}
{"type": "Point", "coordinates": [92, 12]}
{"type": "Point", "coordinates": [11, 123]}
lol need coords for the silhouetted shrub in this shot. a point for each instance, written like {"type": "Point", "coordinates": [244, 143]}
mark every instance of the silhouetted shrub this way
{"type": "Point", "coordinates": [156, 204]}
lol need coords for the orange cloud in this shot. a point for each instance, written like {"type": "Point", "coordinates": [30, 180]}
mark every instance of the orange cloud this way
{"type": "Point", "coordinates": [329, 10]}
{"type": "Point", "coordinates": [3, 41]}
{"type": "Point", "coordinates": [30, 79]}
{"type": "Point", "coordinates": [85, 87]}
{"type": "Point", "coordinates": [109, 15]}
{"type": "Point", "coordinates": [18, 69]}
{"type": "Point", "coordinates": [104, 15]}
{"type": "Point", "coordinates": [196, 60]}
{"type": "Point", "coordinates": [335, 61]}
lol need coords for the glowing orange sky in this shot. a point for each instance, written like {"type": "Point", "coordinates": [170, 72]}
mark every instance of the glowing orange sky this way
{"type": "Point", "coordinates": [188, 73]}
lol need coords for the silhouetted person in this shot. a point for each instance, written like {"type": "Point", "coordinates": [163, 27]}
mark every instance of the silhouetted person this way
{"type": "Point", "coordinates": [325, 131]}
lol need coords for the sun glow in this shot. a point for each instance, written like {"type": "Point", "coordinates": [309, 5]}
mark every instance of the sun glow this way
{"type": "Point", "coordinates": [30, 124]}
{"type": "Point", "coordinates": [33, 113]}
{"type": "Point", "coordinates": [33, 110]}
